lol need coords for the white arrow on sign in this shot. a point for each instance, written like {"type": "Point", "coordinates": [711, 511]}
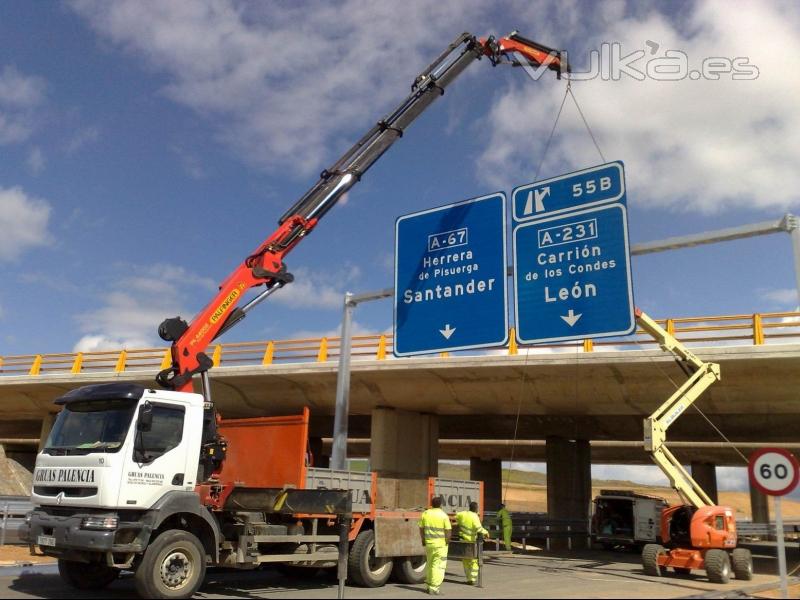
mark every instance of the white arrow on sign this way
{"type": "Point", "coordinates": [447, 331]}
{"type": "Point", "coordinates": [535, 200]}
{"type": "Point", "coordinates": [571, 318]}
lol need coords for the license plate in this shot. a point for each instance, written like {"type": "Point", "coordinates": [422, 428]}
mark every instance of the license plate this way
{"type": "Point", "coordinates": [46, 540]}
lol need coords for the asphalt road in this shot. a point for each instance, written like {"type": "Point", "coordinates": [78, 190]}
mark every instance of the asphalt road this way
{"type": "Point", "coordinates": [584, 575]}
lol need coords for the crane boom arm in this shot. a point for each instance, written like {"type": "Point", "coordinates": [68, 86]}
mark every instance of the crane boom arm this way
{"type": "Point", "coordinates": [265, 265]}
{"type": "Point", "coordinates": [701, 375]}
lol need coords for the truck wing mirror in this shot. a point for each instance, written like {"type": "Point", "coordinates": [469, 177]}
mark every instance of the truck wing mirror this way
{"type": "Point", "coordinates": [145, 421]}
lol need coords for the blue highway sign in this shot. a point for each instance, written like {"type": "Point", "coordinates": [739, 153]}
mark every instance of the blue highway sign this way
{"type": "Point", "coordinates": [581, 189]}
{"type": "Point", "coordinates": [572, 276]}
{"type": "Point", "coordinates": [451, 289]}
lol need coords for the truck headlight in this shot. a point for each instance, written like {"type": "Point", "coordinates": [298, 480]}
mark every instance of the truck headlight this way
{"type": "Point", "coordinates": [102, 523]}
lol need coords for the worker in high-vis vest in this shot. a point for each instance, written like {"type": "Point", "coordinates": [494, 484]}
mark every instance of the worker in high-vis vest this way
{"type": "Point", "coordinates": [504, 520]}
{"type": "Point", "coordinates": [469, 528]}
{"type": "Point", "coordinates": [435, 531]}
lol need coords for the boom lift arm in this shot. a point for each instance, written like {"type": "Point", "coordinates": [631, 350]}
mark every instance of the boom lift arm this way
{"type": "Point", "coordinates": [265, 266]}
{"type": "Point", "coordinates": [701, 375]}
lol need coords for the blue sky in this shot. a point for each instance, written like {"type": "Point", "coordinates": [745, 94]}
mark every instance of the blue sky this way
{"type": "Point", "coordinates": [147, 148]}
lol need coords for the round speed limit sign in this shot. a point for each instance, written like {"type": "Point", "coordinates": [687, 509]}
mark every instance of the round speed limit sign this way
{"type": "Point", "coordinates": [774, 471]}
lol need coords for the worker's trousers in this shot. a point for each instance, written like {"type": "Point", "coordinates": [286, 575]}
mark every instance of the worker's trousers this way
{"type": "Point", "coordinates": [435, 567]}
{"type": "Point", "coordinates": [507, 536]}
{"type": "Point", "coordinates": [471, 569]}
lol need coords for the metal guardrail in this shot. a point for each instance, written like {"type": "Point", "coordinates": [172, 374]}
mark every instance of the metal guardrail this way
{"type": "Point", "coordinates": [13, 510]}
{"type": "Point", "coordinates": [748, 530]}
{"type": "Point", "coordinates": [753, 329]}
{"type": "Point", "coordinates": [527, 527]}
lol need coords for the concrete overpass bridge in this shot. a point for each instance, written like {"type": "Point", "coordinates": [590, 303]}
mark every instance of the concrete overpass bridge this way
{"type": "Point", "coordinates": [575, 403]}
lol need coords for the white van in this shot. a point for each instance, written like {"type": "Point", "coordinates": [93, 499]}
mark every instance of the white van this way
{"type": "Point", "coordinates": [625, 518]}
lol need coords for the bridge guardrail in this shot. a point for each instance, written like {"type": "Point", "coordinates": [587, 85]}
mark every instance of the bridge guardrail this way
{"type": "Point", "coordinates": [753, 329]}
{"type": "Point", "coordinates": [12, 511]}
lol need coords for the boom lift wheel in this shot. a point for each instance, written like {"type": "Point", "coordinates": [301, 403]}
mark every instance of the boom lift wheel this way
{"type": "Point", "coordinates": [718, 566]}
{"type": "Point", "coordinates": [742, 561]}
{"type": "Point", "coordinates": [650, 556]}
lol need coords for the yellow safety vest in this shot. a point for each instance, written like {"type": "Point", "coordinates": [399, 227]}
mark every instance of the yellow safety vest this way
{"type": "Point", "coordinates": [435, 523]}
{"type": "Point", "coordinates": [469, 526]}
{"type": "Point", "coordinates": [504, 517]}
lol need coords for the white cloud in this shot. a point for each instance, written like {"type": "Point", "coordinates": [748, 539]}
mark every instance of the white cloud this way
{"type": "Point", "coordinates": [23, 222]}
{"type": "Point", "coordinates": [784, 297]}
{"type": "Point", "coordinates": [36, 160]}
{"type": "Point", "coordinates": [84, 137]}
{"type": "Point", "coordinates": [131, 311]}
{"type": "Point", "coordinates": [20, 96]}
{"type": "Point", "coordinates": [691, 145]}
{"type": "Point", "coordinates": [283, 82]}
{"type": "Point", "coordinates": [190, 162]}
{"type": "Point", "coordinates": [317, 289]}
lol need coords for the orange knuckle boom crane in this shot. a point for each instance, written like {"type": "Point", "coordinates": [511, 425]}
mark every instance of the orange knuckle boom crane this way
{"type": "Point", "coordinates": [265, 267]}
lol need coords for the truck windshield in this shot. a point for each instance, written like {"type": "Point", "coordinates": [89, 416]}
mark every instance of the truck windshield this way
{"type": "Point", "coordinates": [91, 426]}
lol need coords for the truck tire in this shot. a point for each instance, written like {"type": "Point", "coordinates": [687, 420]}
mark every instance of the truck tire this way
{"type": "Point", "coordinates": [409, 569]}
{"type": "Point", "coordinates": [363, 567]}
{"type": "Point", "coordinates": [173, 566]}
{"type": "Point", "coordinates": [718, 566]}
{"type": "Point", "coordinates": [86, 576]}
{"type": "Point", "coordinates": [650, 555]}
{"type": "Point", "coordinates": [742, 564]}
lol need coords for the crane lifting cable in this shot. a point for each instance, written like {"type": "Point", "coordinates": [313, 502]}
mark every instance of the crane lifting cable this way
{"type": "Point", "coordinates": [567, 93]}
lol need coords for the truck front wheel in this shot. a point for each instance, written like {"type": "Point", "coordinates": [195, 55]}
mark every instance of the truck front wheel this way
{"type": "Point", "coordinates": [363, 566]}
{"type": "Point", "coordinates": [83, 576]}
{"type": "Point", "coordinates": [173, 566]}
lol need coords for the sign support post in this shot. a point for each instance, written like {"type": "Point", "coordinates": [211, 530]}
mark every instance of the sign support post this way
{"type": "Point", "coordinates": [781, 548]}
{"type": "Point", "coordinates": [776, 472]}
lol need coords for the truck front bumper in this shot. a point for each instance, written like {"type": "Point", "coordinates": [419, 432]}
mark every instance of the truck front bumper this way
{"type": "Point", "coordinates": [63, 536]}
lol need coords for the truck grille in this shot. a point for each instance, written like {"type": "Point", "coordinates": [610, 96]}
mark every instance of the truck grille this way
{"type": "Point", "coordinates": [69, 492]}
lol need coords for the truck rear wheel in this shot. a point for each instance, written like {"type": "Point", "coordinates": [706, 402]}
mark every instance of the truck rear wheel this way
{"type": "Point", "coordinates": [650, 555]}
{"type": "Point", "coordinates": [86, 576]}
{"type": "Point", "coordinates": [363, 567]}
{"type": "Point", "coordinates": [742, 564]}
{"type": "Point", "coordinates": [409, 569]}
{"type": "Point", "coordinates": [718, 566]}
{"type": "Point", "coordinates": [173, 566]}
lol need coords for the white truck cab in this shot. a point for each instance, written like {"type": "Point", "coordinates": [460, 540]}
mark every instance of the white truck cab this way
{"type": "Point", "coordinates": [105, 452]}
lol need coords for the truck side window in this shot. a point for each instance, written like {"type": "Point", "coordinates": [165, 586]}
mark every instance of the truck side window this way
{"type": "Point", "coordinates": [719, 523]}
{"type": "Point", "coordinates": [166, 432]}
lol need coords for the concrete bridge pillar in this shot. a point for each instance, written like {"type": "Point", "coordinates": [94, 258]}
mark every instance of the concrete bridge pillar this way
{"type": "Point", "coordinates": [705, 474]}
{"type": "Point", "coordinates": [405, 444]}
{"type": "Point", "coordinates": [759, 505]}
{"type": "Point", "coordinates": [490, 472]}
{"type": "Point", "coordinates": [569, 484]}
